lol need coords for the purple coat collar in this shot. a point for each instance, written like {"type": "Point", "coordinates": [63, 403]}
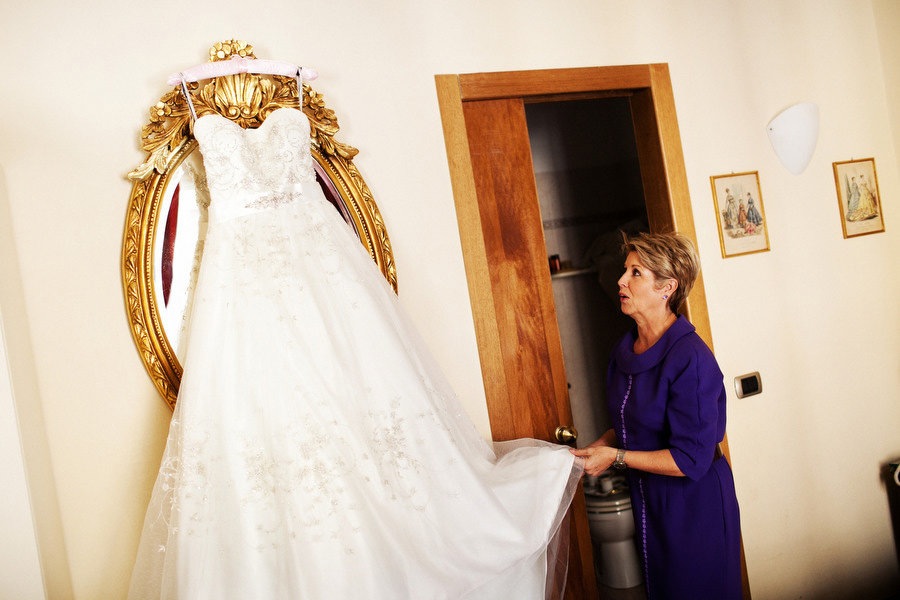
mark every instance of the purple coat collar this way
{"type": "Point", "coordinates": [629, 362]}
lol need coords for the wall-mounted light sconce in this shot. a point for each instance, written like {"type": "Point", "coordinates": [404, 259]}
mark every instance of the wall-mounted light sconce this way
{"type": "Point", "coordinates": [793, 133]}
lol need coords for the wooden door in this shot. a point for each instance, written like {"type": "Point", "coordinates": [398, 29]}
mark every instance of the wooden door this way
{"type": "Point", "coordinates": [525, 375]}
{"type": "Point", "coordinates": [500, 226]}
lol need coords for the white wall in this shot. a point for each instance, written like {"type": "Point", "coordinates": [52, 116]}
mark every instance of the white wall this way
{"type": "Point", "coordinates": [32, 525]}
{"type": "Point", "coordinates": [20, 567]}
{"type": "Point", "coordinates": [817, 315]}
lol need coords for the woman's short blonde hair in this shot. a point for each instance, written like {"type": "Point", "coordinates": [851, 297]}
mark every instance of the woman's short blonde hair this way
{"type": "Point", "coordinates": [668, 256]}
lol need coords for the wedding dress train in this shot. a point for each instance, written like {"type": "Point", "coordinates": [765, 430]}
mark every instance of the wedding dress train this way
{"type": "Point", "coordinates": [316, 450]}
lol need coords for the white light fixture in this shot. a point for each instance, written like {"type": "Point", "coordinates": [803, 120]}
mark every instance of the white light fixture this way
{"type": "Point", "coordinates": [793, 133]}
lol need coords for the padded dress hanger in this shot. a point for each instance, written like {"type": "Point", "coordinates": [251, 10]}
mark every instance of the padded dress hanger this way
{"type": "Point", "coordinates": [238, 64]}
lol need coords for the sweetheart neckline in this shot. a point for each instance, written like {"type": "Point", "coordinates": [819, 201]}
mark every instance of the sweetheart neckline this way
{"type": "Point", "coordinates": [261, 125]}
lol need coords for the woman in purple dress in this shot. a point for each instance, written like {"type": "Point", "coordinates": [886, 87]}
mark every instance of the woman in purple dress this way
{"type": "Point", "coordinates": [667, 403]}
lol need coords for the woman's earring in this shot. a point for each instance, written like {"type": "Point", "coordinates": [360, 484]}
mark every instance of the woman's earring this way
{"type": "Point", "coordinates": [665, 297]}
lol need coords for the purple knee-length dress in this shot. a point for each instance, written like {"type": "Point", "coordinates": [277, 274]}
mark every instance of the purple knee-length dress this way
{"type": "Point", "coordinates": [687, 528]}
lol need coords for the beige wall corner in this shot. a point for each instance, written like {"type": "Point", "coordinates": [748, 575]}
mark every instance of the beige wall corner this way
{"type": "Point", "coordinates": [33, 523]}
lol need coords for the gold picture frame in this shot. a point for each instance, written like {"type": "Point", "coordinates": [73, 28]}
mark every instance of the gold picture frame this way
{"type": "Point", "coordinates": [740, 215]}
{"type": "Point", "coordinates": [859, 200]}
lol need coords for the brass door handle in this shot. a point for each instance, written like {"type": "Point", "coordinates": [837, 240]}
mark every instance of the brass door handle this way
{"type": "Point", "coordinates": [566, 434]}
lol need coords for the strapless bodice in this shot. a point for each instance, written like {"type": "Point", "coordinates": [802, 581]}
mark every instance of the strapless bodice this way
{"type": "Point", "coordinates": [249, 170]}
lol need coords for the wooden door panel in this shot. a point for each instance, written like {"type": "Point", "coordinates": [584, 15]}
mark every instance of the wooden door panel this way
{"type": "Point", "coordinates": [506, 270]}
{"type": "Point", "coordinates": [521, 353]}
{"type": "Point", "coordinates": [515, 255]}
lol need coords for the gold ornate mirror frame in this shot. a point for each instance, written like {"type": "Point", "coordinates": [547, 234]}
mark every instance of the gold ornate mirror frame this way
{"type": "Point", "coordinates": [246, 99]}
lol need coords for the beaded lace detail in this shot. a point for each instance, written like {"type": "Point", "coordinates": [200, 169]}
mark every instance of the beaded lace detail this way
{"type": "Point", "coordinates": [251, 170]}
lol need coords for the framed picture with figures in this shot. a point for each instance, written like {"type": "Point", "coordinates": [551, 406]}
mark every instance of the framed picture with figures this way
{"type": "Point", "coordinates": [739, 212]}
{"type": "Point", "coordinates": [859, 201]}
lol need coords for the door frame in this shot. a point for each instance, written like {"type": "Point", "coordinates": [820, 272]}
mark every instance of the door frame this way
{"type": "Point", "coordinates": [668, 209]}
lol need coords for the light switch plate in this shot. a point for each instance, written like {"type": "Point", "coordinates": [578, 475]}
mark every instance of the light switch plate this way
{"type": "Point", "coordinates": [748, 385]}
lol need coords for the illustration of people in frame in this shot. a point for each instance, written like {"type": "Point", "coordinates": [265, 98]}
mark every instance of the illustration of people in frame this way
{"type": "Point", "coordinates": [859, 201]}
{"type": "Point", "coordinates": [862, 201]}
{"type": "Point", "coordinates": [741, 217]}
{"type": "Point", "coordinates": [738, 201]}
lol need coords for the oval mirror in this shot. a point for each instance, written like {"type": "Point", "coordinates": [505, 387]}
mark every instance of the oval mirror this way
{"type": "Point", "coordinates": [166, 218]}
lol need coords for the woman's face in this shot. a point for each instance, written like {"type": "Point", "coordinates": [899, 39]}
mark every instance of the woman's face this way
{"type": "Point", "coordinates": [639, 290]}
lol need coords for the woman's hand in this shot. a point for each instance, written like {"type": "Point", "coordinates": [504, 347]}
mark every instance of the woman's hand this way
{"type": "Point", "coordinates": [596, 458]}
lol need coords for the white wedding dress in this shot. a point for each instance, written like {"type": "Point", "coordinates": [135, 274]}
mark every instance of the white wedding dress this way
{"type": "Point", "coordinates": [316, 451]}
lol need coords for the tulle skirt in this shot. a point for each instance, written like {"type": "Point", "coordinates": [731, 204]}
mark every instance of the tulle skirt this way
{"type": "Point", "coordinates": [316, 450]}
